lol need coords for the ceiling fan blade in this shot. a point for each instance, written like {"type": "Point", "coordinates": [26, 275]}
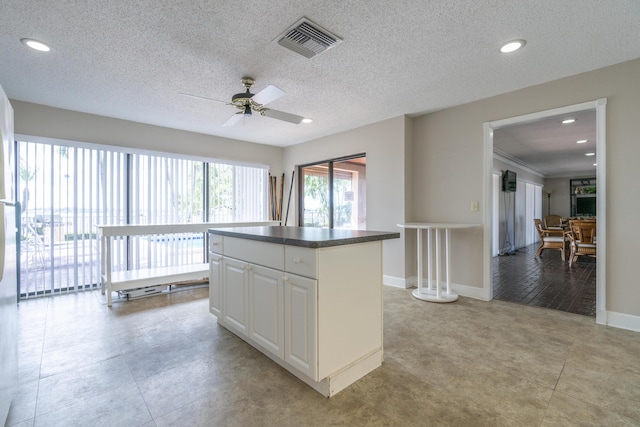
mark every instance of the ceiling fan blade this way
{"type": "Point", "coordinates": [267, 95]}
{"type": "Point", "coordinates": [202, 97]}
{"type": "Point", "coordinates": [281, 115]}
{"type": "Point", "coordinates": [233, 119]}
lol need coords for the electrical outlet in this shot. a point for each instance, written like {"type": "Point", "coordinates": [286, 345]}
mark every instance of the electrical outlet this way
{"type": "Point", "coordinates": [475, 206]}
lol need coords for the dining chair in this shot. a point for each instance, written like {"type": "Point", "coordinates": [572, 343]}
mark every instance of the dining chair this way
{"type": "Point", "coordinates": [552, 222]}
{"type": "Point", "coordinates": [549, 239]}
{"type": "Point", "coordinates": [582, 239]}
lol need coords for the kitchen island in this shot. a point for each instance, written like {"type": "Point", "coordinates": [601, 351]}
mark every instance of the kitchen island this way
{"type": "Point", "coordinates": [308, 298]}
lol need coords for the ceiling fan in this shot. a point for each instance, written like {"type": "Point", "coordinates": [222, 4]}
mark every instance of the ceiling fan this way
{"type": "Point", "coordinates": [248, 102]}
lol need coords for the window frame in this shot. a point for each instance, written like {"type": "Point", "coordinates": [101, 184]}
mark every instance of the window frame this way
{"type": "Point", "coordinates": [330, 163]}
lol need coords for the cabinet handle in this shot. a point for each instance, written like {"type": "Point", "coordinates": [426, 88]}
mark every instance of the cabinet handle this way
{"type": "Point", "coordinates": [297, 261]}
{"type": "Point", "coordinates": [285, 279]}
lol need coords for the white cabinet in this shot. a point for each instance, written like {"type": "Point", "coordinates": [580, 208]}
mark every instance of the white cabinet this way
{"type": "Point", "coordinates": [300, 324]}
{"type": "Point", "coordinates": [315, 311]}
{"type": "Point", "coordinates": [235, 310]}
{"type": "Point", "coordinates": [275, 309]}
{"type": "Point", "coordinates": [215, 287]}
{"type": "Point", "coordinates": [266, 313]}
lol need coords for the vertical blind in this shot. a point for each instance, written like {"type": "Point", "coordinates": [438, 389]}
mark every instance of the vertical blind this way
{"type": "Point", "coordinates": [516, 225]}
{"type": "Point", "coordinates": [66, 190]}
{"type": "Point", "coordinates": [528, 207]}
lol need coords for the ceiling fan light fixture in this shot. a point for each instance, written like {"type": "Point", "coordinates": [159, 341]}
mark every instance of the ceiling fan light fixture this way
{"type": "Point", "coordinates": [36, 45]}
{"type": "Point", "coordinates": [247, 103]}
{"type": "Point", "coordinates": [512, 46]}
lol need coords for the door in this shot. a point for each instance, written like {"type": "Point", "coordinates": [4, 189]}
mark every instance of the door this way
{"type": "Point", "coordinates": [315, 207]}
{"type": "Point", "coordinates": [300, 323]}
{"type": "Point", "coordinates": [235, 310]}
{"type": "Point", "coordinates": [333, 193]}
{"type": "Point", "coordinates": [266, 312]}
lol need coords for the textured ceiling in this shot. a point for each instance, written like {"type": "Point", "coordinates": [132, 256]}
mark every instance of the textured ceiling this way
{"type": "Point", "coordinates": [550, 147]}
{"type": "Point", "coordinates": [130, 59]}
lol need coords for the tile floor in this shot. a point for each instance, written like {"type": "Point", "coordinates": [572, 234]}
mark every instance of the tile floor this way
{"type": "Point", "coordinates": [546, 281]}
{"type": "Point", "coordinates": [163, 361]}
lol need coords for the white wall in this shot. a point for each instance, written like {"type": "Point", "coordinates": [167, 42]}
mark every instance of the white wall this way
{"type": "Point", "coordinates": [49, 122]}
{"type": "Point", "coordinates": [448, 147]}
{"type": "Point", "coordinates": [559, 200]}
{"type": "Point", "coordinates": [560, 194]}
{"type": "Point", "coordinates": [384, 144]}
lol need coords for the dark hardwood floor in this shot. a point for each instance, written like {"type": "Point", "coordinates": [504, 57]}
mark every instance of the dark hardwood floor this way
{"type": "Point", "coordinates": [546, 281]}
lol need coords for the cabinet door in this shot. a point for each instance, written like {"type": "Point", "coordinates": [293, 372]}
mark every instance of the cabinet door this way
{"type": "Point", "coordinates": [300, 323]}
{"type": "Point", "coordinates": [215, 289]}
{"type": "Point", "coordinates": [234, 294]}
{"type": "Point", "coordinates": [266, 314]}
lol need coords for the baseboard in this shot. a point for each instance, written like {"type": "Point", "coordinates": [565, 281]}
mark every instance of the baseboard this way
{"type": "Point", "coordinates": [623, 321]}
{"type": "Point", "coordinates": [412, 282]}
{"type": "Point", "coordinates": [470, 291]}
{"type": "Point", "coordinates": [396, 282]}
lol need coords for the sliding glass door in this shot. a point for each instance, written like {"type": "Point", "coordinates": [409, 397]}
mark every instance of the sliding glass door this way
{"type": "Point", "coordinates": [314, 200]}
{"type": "Point", "coordinates": [333, 193]}
{"type": "Point", "coordinates": [65, 191]}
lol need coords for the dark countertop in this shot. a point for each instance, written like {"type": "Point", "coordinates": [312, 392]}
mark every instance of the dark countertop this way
{"type": "Point", "coordinates": [307, 237]}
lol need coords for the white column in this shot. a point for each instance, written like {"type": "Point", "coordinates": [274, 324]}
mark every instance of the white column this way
{"type": "Point", "coordinates": [419, 260]}
{"type": "Point", "coordinates": [447, 255]}
{"type": "Point", "coordinates": [429, 270]}
{"type": "Point", "coordinates": [438, 287]}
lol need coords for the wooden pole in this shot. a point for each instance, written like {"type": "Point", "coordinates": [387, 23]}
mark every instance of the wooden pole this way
{"type": "Point", "coordinates": [281, 197]}
{"type": "Point", "coordinates": [273, 192]}
{"type": "Point", "coordinates": [286, 217]}
{"type": "Point", "coordinates": [269, 197]}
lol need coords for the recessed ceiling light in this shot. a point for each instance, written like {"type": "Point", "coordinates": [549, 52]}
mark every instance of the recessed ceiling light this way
{"type": "Point", "coordinates": [36, 45]}
{"type": "Point", "coordinates": [581, 141]}
{"type": "Point", "coordinates": [567, 121]}
{"type": "Point", "coordinates": [595, 164]}
{"type": "Point", "coordinates": [512, 46]}
{"type": "Point", "coordinates": [307, 120]}
{"type": "Point", "coordinates": [590, 154]}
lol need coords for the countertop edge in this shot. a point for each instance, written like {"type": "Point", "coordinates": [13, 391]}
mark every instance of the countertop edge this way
{"type": "Point", "coordinates": [306, 243]}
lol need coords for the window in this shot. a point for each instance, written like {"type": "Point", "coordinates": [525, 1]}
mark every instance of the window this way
{"type": "Point", "coordinates": [333, 193]}
{"type": "Point", "coordinates": [66, 190]}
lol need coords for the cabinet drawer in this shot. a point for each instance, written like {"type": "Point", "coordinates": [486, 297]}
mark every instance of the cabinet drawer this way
{"type": "Point", "coordinates": [300, 261]}
{"type": "Point", "coordinates": [262, 253]}
{"type": "Point", "coordinates": [215, 243]}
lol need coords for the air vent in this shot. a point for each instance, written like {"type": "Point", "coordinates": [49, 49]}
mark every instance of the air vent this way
{"type": "Point", "coordinates": [307, 39]}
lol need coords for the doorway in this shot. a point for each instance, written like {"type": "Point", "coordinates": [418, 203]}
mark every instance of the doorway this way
{"type": "Point", "coordinates": [489, 128]}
